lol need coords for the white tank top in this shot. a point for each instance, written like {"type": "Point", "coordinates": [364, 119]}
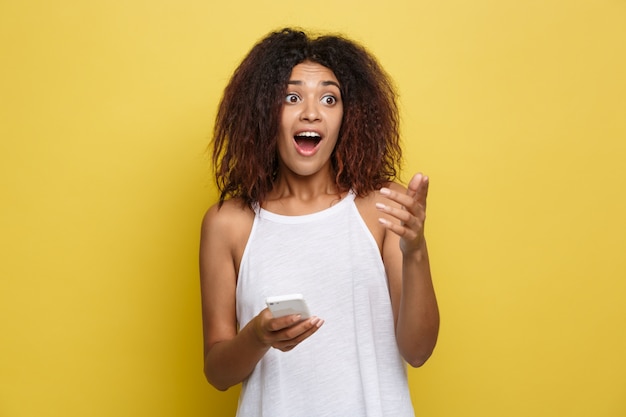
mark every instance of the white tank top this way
{"type": "Point", "coordinates": [351, 367]}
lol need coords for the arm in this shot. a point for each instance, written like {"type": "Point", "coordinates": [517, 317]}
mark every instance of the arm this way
{"type": "Point", "coordinates": [230, 356]}
{"type": "Point", "coordinates": [406, 259]}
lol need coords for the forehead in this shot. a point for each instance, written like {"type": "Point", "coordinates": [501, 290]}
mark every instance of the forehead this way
{"type": "Point", "coordinates": [313, 71]}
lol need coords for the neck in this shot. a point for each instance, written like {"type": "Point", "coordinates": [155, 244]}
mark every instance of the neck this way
{"type": "Point", "coordinates": [291, 185]}
{"type": "Point", "coordinates": [294, 194]}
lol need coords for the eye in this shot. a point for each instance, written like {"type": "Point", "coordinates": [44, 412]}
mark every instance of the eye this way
{"type": "Point", "coordinates": [329, 100]}
{"type": "Point", "coordinates": [292, 98]}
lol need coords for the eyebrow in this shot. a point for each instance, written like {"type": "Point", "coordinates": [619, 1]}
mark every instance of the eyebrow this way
{"type": "Point", "coordinates": [322, 83]}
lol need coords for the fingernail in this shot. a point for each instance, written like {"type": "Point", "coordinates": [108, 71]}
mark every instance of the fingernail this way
{"type": "Point", "coordinates": [385, 191]}
{"type": "Point", "coordinates": [380, 206]}
{"type": "Point", "coordinates": [382, 221]}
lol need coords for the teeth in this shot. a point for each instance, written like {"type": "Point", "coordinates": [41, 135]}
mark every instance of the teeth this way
{"type": "Point", "coordinates": [309, 134]}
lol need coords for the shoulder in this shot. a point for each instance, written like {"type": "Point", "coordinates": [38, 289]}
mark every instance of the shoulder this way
{"type": "Point", "coordinates": [366, 206]}
{"type": "Point", "coordinates": [370, 199]}
{"type": "Point", "coordinates": [224, 235]}
{"type": "Point", "coordinates": [396, 186]}
{"type": "Point", "coordinates": [231, 211]}
{"type": "Point", "coordinates": [228, 222]}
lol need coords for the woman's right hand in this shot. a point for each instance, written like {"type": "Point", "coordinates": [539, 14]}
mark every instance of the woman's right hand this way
{"type": "Point", "coordinates": [284, 333]}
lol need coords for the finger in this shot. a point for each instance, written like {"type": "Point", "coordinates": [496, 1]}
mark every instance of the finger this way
{"type": "Point", "coordinates": [296, 334]}
{"type": "Point", "coordinates": [402, 215]}
{"type": "Point", "coordinates": [285, 348]}
{"type": "Point", "coordinates": [402, 231]}
{"type": "Point", "coordinates": [280, 323]}
{"type": "Point", "coordinates": [411, 206]}
{"type": "Point", "coordinates": [414, 184]}
{"type": "Point", "coordinates": [422, 191]}
{"type": "Point", "coordinates": [403, 199]}
{"type": "Point", "coordinates": [266, 327]}
{"type": "Point", "coordinates": [418, 187]}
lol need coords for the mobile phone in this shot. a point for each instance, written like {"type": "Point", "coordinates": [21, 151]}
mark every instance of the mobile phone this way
{"type": "Point", "coordinates": [285, 305]}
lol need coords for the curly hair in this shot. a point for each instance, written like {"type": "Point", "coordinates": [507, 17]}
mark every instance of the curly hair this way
{"type": "Point", "coordinates": [244, 148]}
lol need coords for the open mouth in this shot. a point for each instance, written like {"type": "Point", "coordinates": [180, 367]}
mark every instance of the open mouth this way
{"type": "Point", "coordinates": [307, 141]}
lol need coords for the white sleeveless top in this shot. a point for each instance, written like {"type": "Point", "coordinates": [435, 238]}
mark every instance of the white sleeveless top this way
{"type": "Point", "coordinates": [351, 366]}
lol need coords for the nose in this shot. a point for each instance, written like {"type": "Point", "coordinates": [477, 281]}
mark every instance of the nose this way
{"type": "Point", "coordinates": [310, 112]}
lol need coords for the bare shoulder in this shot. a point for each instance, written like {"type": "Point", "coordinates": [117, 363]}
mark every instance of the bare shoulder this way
{"type": "Point", "coordinates": [396, 186]}
{"type": "Point", "coordinates": [229, 226]}
{"type": "Point", "coordinates": [232, 215]}
{"type": "Point", "coordinates": [368, 202]}
{"type": "Point", "coordinates": [225, 231]}
{"type": "Point", "coordinates": [367, 208]}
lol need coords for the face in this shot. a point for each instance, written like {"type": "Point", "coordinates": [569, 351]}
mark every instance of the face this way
{"type": "Point", "coordinates": [310, 119]}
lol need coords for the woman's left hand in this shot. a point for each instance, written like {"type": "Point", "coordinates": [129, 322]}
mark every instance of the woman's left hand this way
{"type": "Point", "coordinates": [411, 214]}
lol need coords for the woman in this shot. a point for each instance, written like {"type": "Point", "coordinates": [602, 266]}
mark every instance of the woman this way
{"type": "Point", "coordinates": [306, 150]}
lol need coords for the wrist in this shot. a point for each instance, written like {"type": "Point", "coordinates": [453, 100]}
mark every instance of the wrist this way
{"type": "Point", "coordinates": [418, 252]}
{"type": "Point", "coordinates": [257, 335]}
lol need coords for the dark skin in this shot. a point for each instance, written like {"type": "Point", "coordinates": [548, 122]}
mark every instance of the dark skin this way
{"type": "Point", "coordinates": [395, 216]}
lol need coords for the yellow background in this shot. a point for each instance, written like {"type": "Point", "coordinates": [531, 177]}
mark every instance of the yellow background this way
{"type": "Point", "coordinates": [516, 109]}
